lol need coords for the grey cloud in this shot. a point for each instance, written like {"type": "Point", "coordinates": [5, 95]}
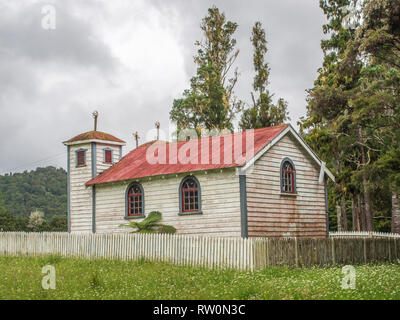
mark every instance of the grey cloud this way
{"type": "Point", "coordinates": [72, 42]}
{"type": "Point", "coordinates": [30, 114]}
{"type": "Point", "coordinates": [50, 81]}
{"type": "Point", "coordinates": [293, 33]}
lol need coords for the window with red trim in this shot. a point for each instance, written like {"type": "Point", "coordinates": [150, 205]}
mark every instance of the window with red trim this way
{"type": "Point", "coordinates": [190, 195]}
{"type": "Point", "coordinates": [80, 158]}
{"type": "Point", "coordinates": [288, 178]}
{"type": "Point", "coordinates": [135, 201]}
{"type": "Point", "coordinates": [108, 156]}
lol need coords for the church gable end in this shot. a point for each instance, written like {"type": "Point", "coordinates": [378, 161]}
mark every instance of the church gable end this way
{"type": "Point", "coordinates": [273, 212]}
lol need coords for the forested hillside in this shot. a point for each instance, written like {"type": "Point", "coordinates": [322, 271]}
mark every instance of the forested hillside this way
{"type": "Point", "coordinates": [43, 189]}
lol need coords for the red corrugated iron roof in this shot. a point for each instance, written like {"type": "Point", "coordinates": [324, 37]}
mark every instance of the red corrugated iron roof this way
{"type": "Point", "coordinates": [159, 158]}
{"type": "Point", "coordinates": [95, 135]}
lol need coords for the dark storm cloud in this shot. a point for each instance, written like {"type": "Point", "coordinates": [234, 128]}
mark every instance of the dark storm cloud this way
{"type": "Point", "coordinates": [129, 60]}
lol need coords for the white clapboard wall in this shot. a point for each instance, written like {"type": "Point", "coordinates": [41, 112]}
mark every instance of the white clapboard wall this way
{"type": "Point", "coordinates": [273, 214]}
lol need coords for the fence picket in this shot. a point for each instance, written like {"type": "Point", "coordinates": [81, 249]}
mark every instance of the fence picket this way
{"type": "Point", "coordinates": [211, 252]}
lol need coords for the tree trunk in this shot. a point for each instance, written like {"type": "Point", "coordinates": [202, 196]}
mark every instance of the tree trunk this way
{"type": "Point", "coordinates": [367, 202]}
{"type": "Point", "coordinates": [343, 202]}
{"type": "Point", "coordinates": [363, 224]}
{"type": "Point", "coordinates": [358, 213]}
{"type": "Point", "coordinates": [344, 214]}
{"type": "Point", "coordinates": [339, 218]}
{"type": "Point", "coordinates": [367, 195]}
{"type": "Point", "coordinates": [355, 214]}
{"type": "Point", "coordinates": [395, 213]}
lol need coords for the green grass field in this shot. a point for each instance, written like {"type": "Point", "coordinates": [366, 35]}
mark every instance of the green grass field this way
{"type": "Point", "coordinates": [21, 277]}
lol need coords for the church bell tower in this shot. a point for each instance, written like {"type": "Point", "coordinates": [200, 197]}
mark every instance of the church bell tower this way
{"type": "Point", "coordinates": [88, 155]}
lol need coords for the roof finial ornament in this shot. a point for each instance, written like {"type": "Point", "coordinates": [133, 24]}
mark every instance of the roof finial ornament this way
{"type": "Point", "coordinates": [136, 136]}
{"type": "Point", "coordinates": [95, 114]}
{"type": "Point", "coordinates": [157, 124]}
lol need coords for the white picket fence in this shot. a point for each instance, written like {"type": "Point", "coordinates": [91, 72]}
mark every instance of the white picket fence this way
{"type": "Point", "coordinates": [363, 234]}
{"type": "Point", "coordinates": [210, 252]}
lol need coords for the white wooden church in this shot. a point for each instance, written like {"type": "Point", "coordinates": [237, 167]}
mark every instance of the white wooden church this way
{"type": "Point", "coordinates": [277, 190]}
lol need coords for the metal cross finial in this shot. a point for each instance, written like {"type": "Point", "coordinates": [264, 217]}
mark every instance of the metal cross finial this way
{"type": "Point", "coordinates": [157, 124]}
{"type": "Point", "coordinates": [95, 114]}
{"type": "Point", "coordinates": [136, 136]}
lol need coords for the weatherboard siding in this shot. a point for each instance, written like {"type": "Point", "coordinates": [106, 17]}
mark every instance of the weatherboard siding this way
{"type": "Point", "coordinates": [274, 215]}
{"type": "Point", "coordinates": [220, 196]}
{"type": "Point", "coordinates": [101, 165]}
{"type": "Point", "coordinates": [80, 195]}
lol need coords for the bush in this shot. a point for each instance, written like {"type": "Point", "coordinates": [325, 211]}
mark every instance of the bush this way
{"type": "Point", "coordinates": [150, 225]}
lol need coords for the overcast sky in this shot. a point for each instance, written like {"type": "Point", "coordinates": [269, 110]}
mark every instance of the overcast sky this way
{"type": "Point", "coordinates": [129, 60]}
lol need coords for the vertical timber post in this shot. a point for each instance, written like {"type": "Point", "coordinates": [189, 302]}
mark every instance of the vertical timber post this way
{"type": "Point", "coordinates": [243, 205]}
{"type": "Point", "coordinates": [94, 173]}
{"type": "Point", "coordinates": [69, 188]}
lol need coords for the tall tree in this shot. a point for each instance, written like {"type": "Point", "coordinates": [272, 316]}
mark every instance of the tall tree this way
{"type": "Point", "coordinates": [379, 34]}
{"type": "Point", "coordinates": [377, 43]}
{"type": "Point", "coordinates": [328, 100]}
{"type": "Point", "coordinates": [210, 102]}
{"type": "Point", "coordinates": [263, 112]}
{"type": "Point", "coordinates": [354, 106]}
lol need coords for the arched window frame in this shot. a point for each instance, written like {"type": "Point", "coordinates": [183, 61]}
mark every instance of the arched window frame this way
{"type": "Point", "coordinates": [127, 215]}
{"type": "Point", "coordinates": [181, 207]}
{"type": "Point", "coordinates": [294, 191]}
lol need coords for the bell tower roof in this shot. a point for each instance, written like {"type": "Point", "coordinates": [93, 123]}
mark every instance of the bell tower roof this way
{"type": "Point", "coordinates": [94, 136]}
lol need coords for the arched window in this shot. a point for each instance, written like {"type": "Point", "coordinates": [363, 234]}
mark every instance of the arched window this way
{"type": "Point", "coordinates": [190, 201]}
{"type": "Point", "coordinates": [288, 176]}
{"type": "Point", "coordinates": [134, 200]}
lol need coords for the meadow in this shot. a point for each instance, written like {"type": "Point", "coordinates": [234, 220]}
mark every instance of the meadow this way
{"type": "Point", "coordinates": [21, 278]}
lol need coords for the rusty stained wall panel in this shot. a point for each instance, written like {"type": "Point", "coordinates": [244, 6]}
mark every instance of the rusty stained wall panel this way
{"type": "Point", "coordinates": [272, 214]}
